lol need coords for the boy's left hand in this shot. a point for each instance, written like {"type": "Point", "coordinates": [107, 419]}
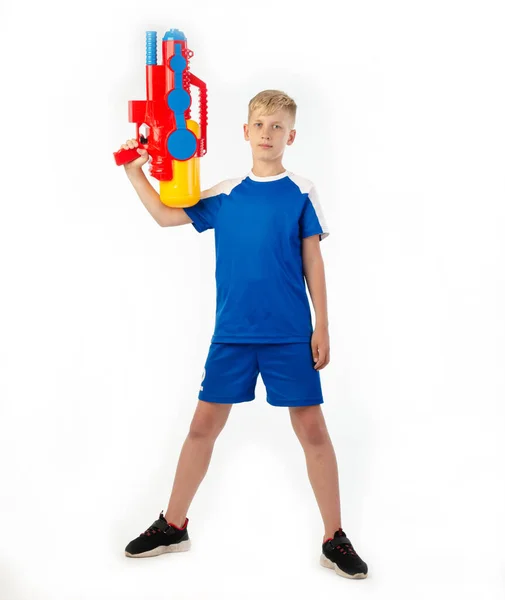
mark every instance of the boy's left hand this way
{"type": "Point", "coordinates": [320, 343]}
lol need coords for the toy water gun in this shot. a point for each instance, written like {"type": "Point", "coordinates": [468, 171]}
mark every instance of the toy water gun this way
{"type": "Point", "coordinates": [173, 140]}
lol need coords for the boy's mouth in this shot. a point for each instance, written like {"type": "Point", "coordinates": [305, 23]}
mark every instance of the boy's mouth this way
{"type": "Point", "coordinates": [265, 146]}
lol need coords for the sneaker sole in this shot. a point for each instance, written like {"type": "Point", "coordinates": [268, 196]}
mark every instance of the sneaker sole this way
{"type": "Point", "coordinates": [326, 562]}
{"type": "Point", "coordinates": [180, 547]}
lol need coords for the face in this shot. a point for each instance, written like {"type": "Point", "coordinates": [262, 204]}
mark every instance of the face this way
{"type": "Point", "coordinates": [269, 134]}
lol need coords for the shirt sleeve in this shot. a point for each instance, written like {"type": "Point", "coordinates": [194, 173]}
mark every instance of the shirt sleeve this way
{"type": "Point", "coordinates": [312, 221]}
{"type": "Point", "coordinates": [204, 212]}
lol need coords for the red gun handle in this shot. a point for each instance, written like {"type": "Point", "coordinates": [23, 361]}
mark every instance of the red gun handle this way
{"type": "Point", "coordinates": [124, 156]}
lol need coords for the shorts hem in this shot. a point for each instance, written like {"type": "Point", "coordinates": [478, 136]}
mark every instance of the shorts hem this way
{"type": "Point", "coordinates": [305, 402]}
{"type": "Point", "coordinates": [223, 400]}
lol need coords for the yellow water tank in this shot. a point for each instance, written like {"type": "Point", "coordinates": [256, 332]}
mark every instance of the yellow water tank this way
{"type": "Point", "coordinates": [184, 188]}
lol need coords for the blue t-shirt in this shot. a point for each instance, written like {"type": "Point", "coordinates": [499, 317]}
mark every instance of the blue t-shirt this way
{"type": "Point", "coordinates": [259, 224]}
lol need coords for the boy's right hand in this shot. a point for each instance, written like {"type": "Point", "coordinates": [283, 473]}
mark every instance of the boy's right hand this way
{"type": "Point", "coordinates": [139, 162]}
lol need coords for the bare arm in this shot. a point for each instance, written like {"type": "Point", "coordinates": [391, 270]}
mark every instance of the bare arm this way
{"type": "Point", "coordinates": [313, 269]}
{"type": "Point", "coordinates": [165, 216]}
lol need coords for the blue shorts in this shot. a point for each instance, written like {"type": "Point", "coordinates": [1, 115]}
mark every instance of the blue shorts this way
{"type": "Point", "coordinates": [287, 370]}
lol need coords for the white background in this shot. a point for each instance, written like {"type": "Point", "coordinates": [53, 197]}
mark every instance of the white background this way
{"type": "Point", "coordinates": [106, 318]}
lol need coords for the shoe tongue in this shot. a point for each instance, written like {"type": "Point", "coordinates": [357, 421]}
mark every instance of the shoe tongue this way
{"type": "Point", "coordinates": [339, 533]}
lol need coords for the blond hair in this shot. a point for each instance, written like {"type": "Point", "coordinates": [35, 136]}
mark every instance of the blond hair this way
{"type": "Point", "coordinates": [270, 101]}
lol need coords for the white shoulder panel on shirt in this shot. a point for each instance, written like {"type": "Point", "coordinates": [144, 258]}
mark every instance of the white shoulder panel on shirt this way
{"type": "Point", "coordinates": [307, 187]}
{"type": "Point", "coordinates": [304, 184]}
{"type": "Point", "coordinates": [223, 187]}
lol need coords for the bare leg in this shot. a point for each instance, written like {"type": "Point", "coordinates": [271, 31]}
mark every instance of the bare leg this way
{"type": "Point", "coordinates": [208, 422]}
{"type": "Point", "coordinates": [310, 428]}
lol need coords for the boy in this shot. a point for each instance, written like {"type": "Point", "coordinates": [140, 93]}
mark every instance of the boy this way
{"type": "Point", "coordinates": [268, 226]}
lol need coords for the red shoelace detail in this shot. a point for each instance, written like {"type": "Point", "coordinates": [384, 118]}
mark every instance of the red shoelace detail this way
{"type": "Point", "coordinates": [344, 548]}
{"type": "Point", "coordinates": [150, 531]}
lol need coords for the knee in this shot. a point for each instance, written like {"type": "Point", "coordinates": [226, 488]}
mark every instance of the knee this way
{"type": "Point", "coordinates": [310, 430]}
{"type": "Point", "coordinates": [313, 434]}
{"type": "Point", "coordinates": [204, 428]}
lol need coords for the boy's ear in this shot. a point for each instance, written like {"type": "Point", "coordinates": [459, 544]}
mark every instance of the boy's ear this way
{"type": "Point", "coordinates": [246, 132]}
{"type": "Point", "coordinates": [291, 137]}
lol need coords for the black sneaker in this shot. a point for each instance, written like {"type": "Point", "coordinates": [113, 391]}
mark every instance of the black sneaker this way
{"type": "Point", "coordinates": [159, 538]}
{"type": "Point", "coordinates": [338, 554]}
